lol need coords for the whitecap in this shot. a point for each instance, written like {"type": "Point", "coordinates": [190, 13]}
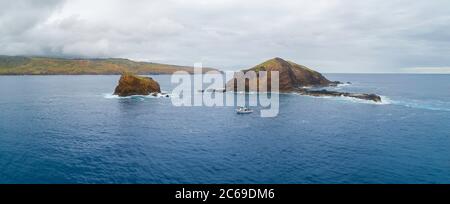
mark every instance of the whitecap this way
{"type": "Point", "coordinates": [111, 96]}
{"type": "Point", "coordinates": [159, 95]}
{"type": "Point", "coordinates": [384, 99]}
{"type": "Point", "coordinates": [343, 84]}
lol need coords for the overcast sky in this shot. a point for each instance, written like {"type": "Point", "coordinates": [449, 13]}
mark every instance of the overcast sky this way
{"type": "Point", "coordinates": [326, 35]}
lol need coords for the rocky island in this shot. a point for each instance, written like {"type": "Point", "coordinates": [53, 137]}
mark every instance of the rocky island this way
{"type": "Point", "coordinates": [130, 85]}
{"type": "Point", "coordinates": [294, 78]}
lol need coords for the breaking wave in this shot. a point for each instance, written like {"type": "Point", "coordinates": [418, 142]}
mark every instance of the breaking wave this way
{"type": "Point", "coordinates": [159, 95]}
{"type": "Point", "coordinates": [384, 99]}
{"type": "Point", "coordinates": [434, 105]}
{"type": "Point", "coordinates": [417, 104]}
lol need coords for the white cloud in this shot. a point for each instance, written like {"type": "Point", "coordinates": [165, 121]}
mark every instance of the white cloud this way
{"type": "Point", "coordinates": [328, 35]}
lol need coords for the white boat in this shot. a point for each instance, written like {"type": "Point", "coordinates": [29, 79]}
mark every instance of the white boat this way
{"type": "Point", "coordinates": [243, 110]}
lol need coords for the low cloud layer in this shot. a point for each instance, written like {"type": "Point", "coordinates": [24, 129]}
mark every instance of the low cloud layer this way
{"type": "Point", "coordinates": [327, 35]}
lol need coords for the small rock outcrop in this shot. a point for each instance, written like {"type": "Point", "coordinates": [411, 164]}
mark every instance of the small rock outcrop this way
{"type": "Point", "coordinates": [130, 85]}
{"type": "Point", "coordinates": [324, 92]}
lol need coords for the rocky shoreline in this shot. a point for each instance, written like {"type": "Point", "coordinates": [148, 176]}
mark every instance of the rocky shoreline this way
{"type": "Point", "coordinates": [320, 93]}
{"type": "Point", "coordinates": [293, 78]}
{"type": "Point", "coordinates": [324, 92]}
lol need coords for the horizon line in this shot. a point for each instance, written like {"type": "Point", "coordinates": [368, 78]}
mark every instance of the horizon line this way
{"type": "Point", "coordinates": [421, 70]}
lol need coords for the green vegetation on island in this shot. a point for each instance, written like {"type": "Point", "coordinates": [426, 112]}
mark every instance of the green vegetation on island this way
{"type": "Point", "coordinates": [20, 65]}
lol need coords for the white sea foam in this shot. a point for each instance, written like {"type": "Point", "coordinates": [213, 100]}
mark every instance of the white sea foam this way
{"type": "Point", "coordinates": [340, 86]}
{"type": "Point", "coordinates": [159, 95]}
{"type": "Point", "coordinates": [423, 104]}
{"type": "Point", "coordinates": [343, 85]}
{"type": "Point", "coordinates": [111, 96]}
{"type": "Point", "coordinates": [384, 100]}
{"type": "Point", "coordinates": [417, 104]}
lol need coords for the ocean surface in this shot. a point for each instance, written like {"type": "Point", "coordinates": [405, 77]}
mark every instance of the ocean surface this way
{"type": "Point", "coordinates": [70, 129]}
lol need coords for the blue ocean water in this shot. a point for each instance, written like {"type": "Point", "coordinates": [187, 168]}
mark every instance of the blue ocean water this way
{"type": "Point", "coordinates": [68, 129]}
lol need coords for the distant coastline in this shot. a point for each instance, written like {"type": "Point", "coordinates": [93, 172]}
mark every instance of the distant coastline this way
{"type": "Point", "coordinates": [42, 66]}
{"type": "Point", "coordinates": [23, 65]}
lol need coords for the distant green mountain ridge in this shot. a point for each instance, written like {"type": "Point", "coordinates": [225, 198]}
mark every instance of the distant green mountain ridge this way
{"type": "Point", "coordinates": [22, 65]}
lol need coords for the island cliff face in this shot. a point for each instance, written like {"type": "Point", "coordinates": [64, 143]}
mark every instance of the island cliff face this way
{"type": "Point", "coordinates": [130, 84]}
{"type": "Point", "coordinates": [292, 78]}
